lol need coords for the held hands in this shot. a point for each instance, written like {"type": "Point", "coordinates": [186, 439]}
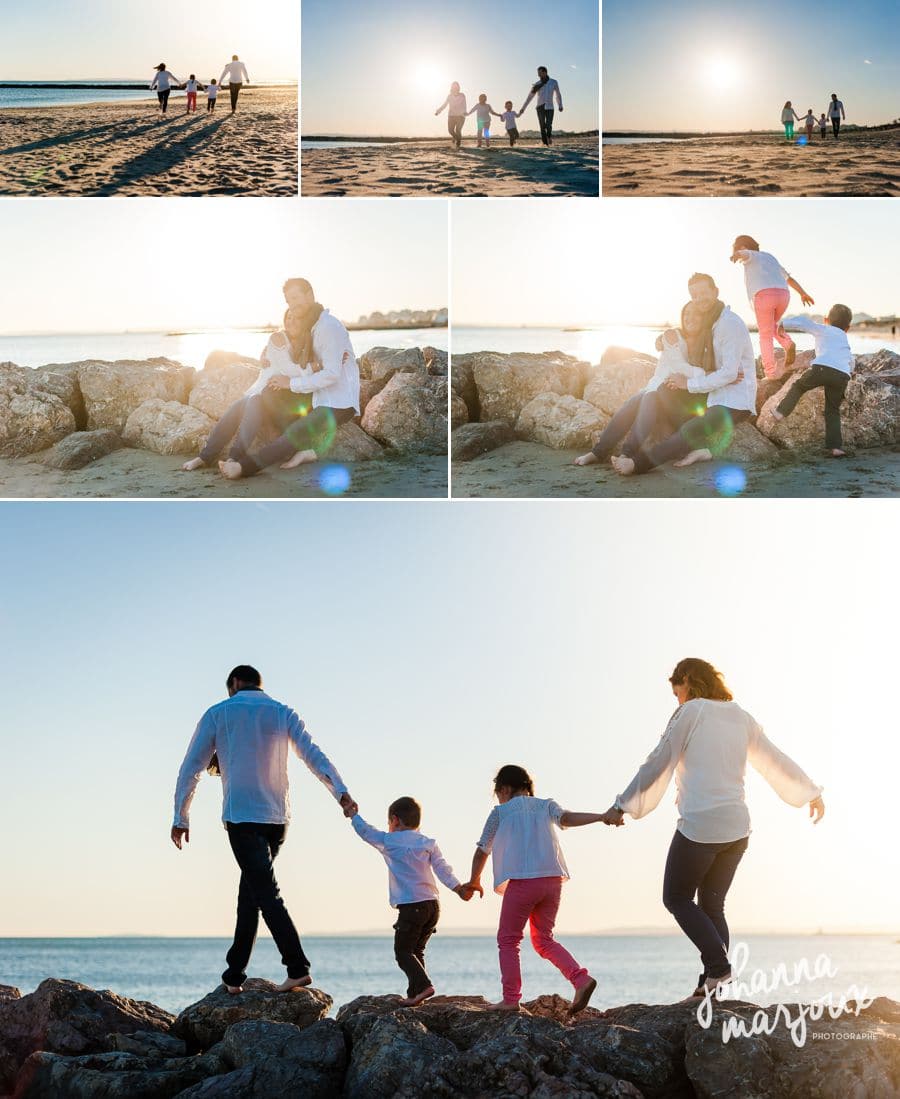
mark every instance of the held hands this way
{"type": "Point", "coordinates": [467, 891]}
{"type": "Point", "coordinates": [816, 809]}
{"type": "Point", "coordinates": [614, 817]}
{"type": "Point", "coordinates": [280, 381]}
{"type": "Point", "coordinates": [184, 833]}
{"type": "Point", "coordinates": [348, 805]}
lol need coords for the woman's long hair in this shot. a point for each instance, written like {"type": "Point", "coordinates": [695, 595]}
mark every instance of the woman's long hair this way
{"type": "Point", "coordinates": [301, 344]}
{"type": "Point", "coordinates": [515, 777]}
{"type": "Point", "coordinates": [702, 679]}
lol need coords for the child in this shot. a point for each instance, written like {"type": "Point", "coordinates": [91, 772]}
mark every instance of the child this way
{"type": "Point", "coordinates": [483, 111]}
{"type": "Point", "coordinates": [191, 86]}
{"type": "Point", "coordinates": [509, 116]}
{"type": "Point", "coordinates": [830, 369]}
{"type": "Point", "coordinates": [823, 125]}
{"type": "Point", "coordinates": [788, 115]}
{"type": "Point", "coordinates": [529, 870]}
{"type": "Point", "coordinates": [768, 288]}
{"type": "Point", "coordinates": [412, 860]}
{"type": "Point", "coordinates": [212, 90]}
{"type": "Point", "coordinates": [810, 123]}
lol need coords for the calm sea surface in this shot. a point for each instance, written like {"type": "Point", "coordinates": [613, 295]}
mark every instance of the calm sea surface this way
{"type": "Point", "coordinates": [189, 348]}
{"type": "Point", "coordinates": [646, 968]}
{"type": "Point", "coordinates": [24, 95]}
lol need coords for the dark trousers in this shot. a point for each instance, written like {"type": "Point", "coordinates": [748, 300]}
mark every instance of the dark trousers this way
{"type": "Point", "coordinates": [545, 118]}
{"type": "Point", "coordinates": [454, 128]}
{"type": "Point", "coordinates": [210, 105]}
{"type": "Point", "coordinates": [704, 870]}
{"type": "Point", "coordinates": [834, 382]}
{"type": "Point", "coordinates": [836, 125]}
{"type": "Point", "coordinates": [304, 430]}
{"type": "Point", "coordinates": [235, 90]}
{"type": "Point", "coordinates": [163, 98]}
{"type": "Point", "coordinates": [415, 925]}
{"type": "Point", "coordinates": [241, 422]}
{"type": "Point", "coordinates": [255, 847]}
{"type": "Point", "coordinates": [711, 431]}
{"type": "Point", "coordinates": [634, 422]}
{"type": "Point", "coordinates": [513, 135]}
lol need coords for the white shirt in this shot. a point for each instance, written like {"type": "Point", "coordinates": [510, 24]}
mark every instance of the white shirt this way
{"type": "Point", "coordinates": [510, 118]}
{"type": "Point", "coordinates": [762, 271]}
{"type": "Point", "coordinates": [336, 385]}
{"type": "Point", "coordinates": [212, 90]}
{"type": "Point", "coordinates": [280, 365]}
{"type": "Point", "coordinates": [672, 360]}
{"type": "Point", "coordinates": [163, 81]}
{"type": "Point", "coordinates": [236, 72]}
{"type": "Point", "coordinates": [733, 353]}
{"type": "Point", "coordinates": [483, 112]}
{"type": "Point", "coordinates": [809, 119]}
{"type": "Point", "coordinates": [835, 108]}
{"type": "Point", "coordinates": [788, 114]}
{"type": "Point", "coordinates": [251, 733]}
{"type": "Point", "coordinates": [411, 858]}
{"type": "Point", "coordinates": [707, 746]}
{"type": "Point", "coordinates": [521, 836]}
{"type": "Point", "coordinates": [455, 103]}
{"type": "Point", "coordinates": [545, 95]}
{"type": "Point", "coordinates": [832, 344]}
{"type": "Point", "coordinates": [192, 85]}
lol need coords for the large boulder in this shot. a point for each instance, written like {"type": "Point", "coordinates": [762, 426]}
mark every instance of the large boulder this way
{"type": "Point", "coordinates": [380, 364]}
{"type": "Point", "coordinates": [167, 427]}
{"type": "Point", "coordinates": [560, 422]}
{"type": "Point", "coordinates": [879, 362]}
{"type": "Point", "coordinates": [462, 382]}
{"type": "Point", "coordinates": [111, 1076]}
{"type": "Point", "coordinates": [81, 448]}
{"type": "Point", "coordinates": [225, 378]}
{"type": "Point", "coordinates": [392, 1056]}
{"type": "Point", "coordinates": [205, 1022]}
{"type": "Point", "coordinates": [749, 447]}
{"type": "Point", "coordinates": [62, 379]}
{"type": "Point", "coordinates": [31, 418]}
{"type": "Point", "coordinates": [112, 391]}
{"type": "Point", "coordinates": [612, 384]}
{"type": "Point", "coordinates": [437, 362]}
{"type": "Point", "coordinates": [352, 444]}
{"type": "Point", "coordinates": [410, 414]}
{"type": "Point", "coordinates": [613, 355]}
{"type": "Point", "coordinates": [472, 440]}
{"type": "Point", "coordinates": [506, 383]}
{"type": "Point", "coordinates": [459, 411]}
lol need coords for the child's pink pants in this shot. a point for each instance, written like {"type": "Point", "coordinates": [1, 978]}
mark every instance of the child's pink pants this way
{"type": "Point", "coordinates": [770, 306]}
{"type": "Point", "coordinates": [534, 901]}
{"type": "Point", "coordinates": [192, 101]}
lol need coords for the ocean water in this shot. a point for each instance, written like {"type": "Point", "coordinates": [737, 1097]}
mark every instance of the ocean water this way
{"type": "Point", "coordinates": [174, 972]}
{"type": "Point", "coordinates": [589, 344]}
{"type": "Point", "coordinates": [24, 94]}
{"type": "Point", "coordinates": [190, 348]}
{"type": "Point", "coordinates": [637, 140]}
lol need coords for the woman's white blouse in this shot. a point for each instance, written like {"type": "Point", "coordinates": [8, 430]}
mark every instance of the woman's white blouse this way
{"type": "Point", "coordinates": [280, 365]}
{"type": "Point", "coordinates": [455, 104]}
{"type": "Point", "coordinates": [163, 81]}
{"type": "Point", "coordinates": [672, 360]}
{"type": "Point", "coordinates": [762, 271]}
{"type": "Point", "coordinates": [707, 746]}
{"type": "Point", "coordinates": [336, 385]}
{"type": "Point", "coordinates": [521, 836]}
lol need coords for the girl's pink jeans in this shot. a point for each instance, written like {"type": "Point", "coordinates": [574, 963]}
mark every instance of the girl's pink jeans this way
{"type": "Point", "coordinates": [534, 901]}
{"type": "Point", "coordinates": [770, 306]}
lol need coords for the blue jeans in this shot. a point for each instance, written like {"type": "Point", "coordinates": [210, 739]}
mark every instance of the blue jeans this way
{"type": "Point", "coordinates": [634, 422]}
{"type": "Point", "coordinates": [241, 423]}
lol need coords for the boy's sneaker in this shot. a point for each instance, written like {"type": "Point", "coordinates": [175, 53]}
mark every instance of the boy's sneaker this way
{"type": "Point", "coordinates": [419, 998]}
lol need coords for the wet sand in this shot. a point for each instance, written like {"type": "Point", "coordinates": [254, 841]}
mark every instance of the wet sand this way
{"type": "Point", "coordinates": [142, 474]}
{"type": "Point", "coordinates": [570, 167]}
{"type": "Point", "coordinates": [523, 469]}
{"type": "Point", "coordinates": [130, 149]}
{"type": "Point", "coordinates": [859, 164]}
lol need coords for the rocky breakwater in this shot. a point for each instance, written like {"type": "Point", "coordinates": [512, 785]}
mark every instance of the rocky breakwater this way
{"type": "Point", "coordinates": [73, 413]}
{"type": "Point", "coordinates": [66, 1041]}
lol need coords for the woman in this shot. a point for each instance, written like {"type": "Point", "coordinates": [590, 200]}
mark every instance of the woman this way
{"type": "Point", "coordinates": [707, 744]}
{"type": "Point", "coordinates": [163, 82]}
{"type": "Point", "coordinates": [788, 116]}
{"type": "Point", "coordinates": [456, 113]}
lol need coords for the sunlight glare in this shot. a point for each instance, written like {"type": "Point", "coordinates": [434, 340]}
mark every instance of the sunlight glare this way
{"type": "Point", "coordinates": [721, 73]}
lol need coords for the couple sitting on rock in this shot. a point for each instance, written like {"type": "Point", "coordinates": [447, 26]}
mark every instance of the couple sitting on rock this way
{"type": "Point", "coordinates": [307, 388]}
{"type": "Point", "coordinates": [707, 745]}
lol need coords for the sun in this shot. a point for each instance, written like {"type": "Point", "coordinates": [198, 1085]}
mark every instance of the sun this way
{"type": "Point", "coordinates": [720, 73]}
{"type": "Point", "coordinates": [428, 75]}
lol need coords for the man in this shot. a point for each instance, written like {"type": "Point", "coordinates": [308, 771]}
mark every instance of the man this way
{"type": "Point", "coordinates": [246, 740]}
{"type": "Point", "coordinates": [836, 113]}
{"type": "Point", "coordinates": [236, 72]}
{"type": "Point", "coordinates": [545, 89]}
{"type": "Point", "coordinates": [728, 384]}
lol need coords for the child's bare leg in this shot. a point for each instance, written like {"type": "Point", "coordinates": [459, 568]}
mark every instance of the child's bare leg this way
{"type": "Point", "coordinates": [300, 458]}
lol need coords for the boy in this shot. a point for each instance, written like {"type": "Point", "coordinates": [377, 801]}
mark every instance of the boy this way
{"type": "Point", "coordinates": [830, 369]}
{"type": "Point", "coordinates": [509, 116]}
{"type": "Point", "coordinates": [823, 125]}
{"type": "Point", "coordinates": [212, 91]}
{"type": "Point", "coordinates": [412, 860]}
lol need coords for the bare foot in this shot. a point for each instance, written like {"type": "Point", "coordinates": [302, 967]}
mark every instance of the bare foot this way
{"type": "Point", "coordinates": [504, 1006]}
{"type": "Point", "coordinates": [231, 469]}
{"type": "Point", "coordinates": [837, 453]}
{"type": "Point", "coordinates": [234, 990]}
{"type": "Point", "coordinates": [623, 465]}
{"type": "Point", "coordinates": [294, 982]}
{"type": "Point", "coordinates": [194, 463]}
{"type": "Point", "coordinates": [586, 459]}
{"type": "Point", "coordinates": [299, 459]}
{"type": "Point", "coordinates": [703, 455]}
{"type": "Point", "coordinates": [421, 997]}
{"type": "Point", "coordinates": [582, 995]}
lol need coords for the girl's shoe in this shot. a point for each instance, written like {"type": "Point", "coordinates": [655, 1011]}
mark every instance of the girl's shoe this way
{"type": "Point", "coordinates": [711, 984]}
{"type": "Point", "coordinates": [582, 996]}
{"type": "Point", "coordinates": [421, 997]}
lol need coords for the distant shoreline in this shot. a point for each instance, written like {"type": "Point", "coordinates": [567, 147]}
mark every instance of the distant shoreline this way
{"type": "Point", "coordinates": [442, 138]}
{"type": "Point", "coordinates": [686, 135]}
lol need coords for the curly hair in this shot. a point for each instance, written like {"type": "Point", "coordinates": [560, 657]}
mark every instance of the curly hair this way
{"type": "Point", "coordinates": [702, 679]}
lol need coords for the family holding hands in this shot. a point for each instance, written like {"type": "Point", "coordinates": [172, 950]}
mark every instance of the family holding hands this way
{"type": "Point", "coordinates": [546, 89]}
{"type": "Point", "coordinates": [706, 745]}
{"type": "Point", "coordinates": [164, 81]}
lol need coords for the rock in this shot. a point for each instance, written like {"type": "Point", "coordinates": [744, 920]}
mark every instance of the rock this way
{"type": "Point", "coordinates": [437, 362]}
{"type": "Point", "coordinates": [560, 422]}
{"type": "Point", "coordinates": [31, 419]}
{"type": "Point", "coordinates": [230, 1085]}
{"type": "Point", "coordinates": [81, 448]}
{"type": "Point", "coordinates": [380, 364]}
{"type": "Point", "coordinates": [110, 1076]}
{"type": "Point", "coordinates": [285, 1060]}
{"type": "Point", "coordinates": [879, 362]}
{"type": "Point", "coordinates": [393, 1056]}
{"type": "Point", "coordinates": [352, 444]}
{"type": "Point", "coordinates": [224, 379]}
{"type": "Point", "coordinates": [472, 440]}
{"type": "Point", "coordinates": [68, 1018]}
{"type": "Point", "coordinates": [9, 992]}
{"type": "Point", "coordinates": [462, 382]}
{"type": "Point", "coordinates": [367, 390]}
{"type": "Point", "coordinates": [749, 447]}
{"type": "Point", "coordinates": [112, 391]}
{"type": "Point", "coordinates": [61, 379]}
{"type": "Point", "coordinates": [410, 414]}
{"type": "Point", "coordinates": [459, 412]}
{"type": "Point", "coordinates": [612, 384]}
{"type": "Point", "coordinates": [167, 427]}
{"type": "Point", "coordinates": [506, 383]}
{"type": "Point", "coordinates": [742, 1067]}
{"type": "Point", "coordinates": [613, 355]}
{"type": "Point", "coordinates": [204, 1023]}
{"type": "Point", "coordinates": [149, 1043]}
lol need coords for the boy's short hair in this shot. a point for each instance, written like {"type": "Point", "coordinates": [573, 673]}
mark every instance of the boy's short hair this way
{"type": "Point", "coordinates": [407, 811]}
{"type": "Point", "coordinates": [244, 673]}
{"type": "Point", "coordinates": [701, 276]}
{"type": "Point", "coordinates": [840, 316]}
{"type": "Point", "coordinates": [298, 284]}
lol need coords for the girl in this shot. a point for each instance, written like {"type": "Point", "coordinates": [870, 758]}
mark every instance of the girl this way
{"type": "Point", "coordinates": [788, 115]}
{"type": "Point", "coordinates": [163, 82]}
{"type": "Point", "coordinates": [456, 113]}
{"type": "Point", "coordinates": [529, 870]}
{"type": "Point", "coordinates": [707, 744]}
{"type": "Point", "coordinates": [483, 111]}
{"type": "Point", "coordinates": [810, 122]}
{"type": "Point", "coordinates": [768, 288]}
{"type": "Point", "coordinates": [191, 87]}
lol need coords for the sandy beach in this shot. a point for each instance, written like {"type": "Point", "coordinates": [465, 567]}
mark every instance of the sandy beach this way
{"type": "Point", "coordinates": [127, 149]}
{"type": "Point", "coordinates": [860, 164]}
{"type": "Point", "coordinates": [570, 167]}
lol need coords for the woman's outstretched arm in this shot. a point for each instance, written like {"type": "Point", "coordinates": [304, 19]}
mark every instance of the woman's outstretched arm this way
{"type": "Point", "coordinates": [789, 781]}
{"type": "Point", "coordinates": [645, 791]}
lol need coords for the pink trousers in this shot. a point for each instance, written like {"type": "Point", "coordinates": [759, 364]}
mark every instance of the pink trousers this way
{"type": "Point", "coordinates": [769, 306]}
{"type": "Point", "coordinates": [534, 901]}
{"type": "Point", "coordinates": [192, 101]}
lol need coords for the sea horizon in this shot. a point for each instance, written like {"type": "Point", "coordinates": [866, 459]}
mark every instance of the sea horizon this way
{"type": "Point", "coordinates": [20, 94]}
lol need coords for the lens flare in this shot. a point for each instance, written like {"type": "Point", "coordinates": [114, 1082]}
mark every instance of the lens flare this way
{"type": "Point", "coordinates": [314, 430]}
{"type": "Point", "coordinates": [334, 480]}
{"type": "Point", "coordinates": [730, 481]}
{"type": "Point", "coordinates": [802, 141]}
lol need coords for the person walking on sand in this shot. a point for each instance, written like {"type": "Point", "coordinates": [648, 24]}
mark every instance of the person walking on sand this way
{"type": "Point", "coordinates": [212, 94]}
{"type": "Point", "coordinates": [836, 113]}
{"type": "Point", "coordinates": [809, 121]}
{"type": "Point", "coordinates": [456, 113]}
{"type": "Point", "coordinates": [545, 89]}
{"type": "Point", "coordinates": [483, 111]}
{"type": "Point", "coordinates": [163, 82]}
{"type": "Point", "coordinates": [191, 87]}
{"type": "Point", "coordinates": [788, 116]}
{"type": "Point", "coordinates": [237, 74]}
{"type": "Point", "coordinates": [245, 739]}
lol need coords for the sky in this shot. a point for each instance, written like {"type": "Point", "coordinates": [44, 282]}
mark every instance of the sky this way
{"type": "Point", "coordinates": [383, 69]}
{"type": "Point", "coordinates": [425, 645]}
{"type": "Point", "coordinates": [194, 264]}
{"type": "Point", "coordinates": [126, 39]}
{"type": "Point", "coordinates": [700, 65]}
{"type": "Point", "coordinates": [622, 261]}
